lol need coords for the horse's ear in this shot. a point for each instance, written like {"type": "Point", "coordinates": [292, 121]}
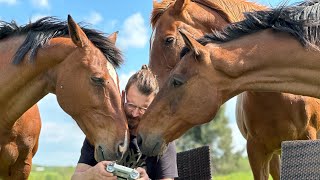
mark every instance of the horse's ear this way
{"type": "Point", "coordinates": [78, 37]}
{"type": "Point", "coordinates": [190, 42]}
{"type": "Point", "coordinates": [113, 37]}
{"type": "Point", "coordinates": [179, 5]}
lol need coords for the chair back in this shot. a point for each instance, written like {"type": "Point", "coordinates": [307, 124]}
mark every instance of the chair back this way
{"type": "Point", "coordinates": [194, 164]}
{"type": "Point", "coordinates": [300, 159]}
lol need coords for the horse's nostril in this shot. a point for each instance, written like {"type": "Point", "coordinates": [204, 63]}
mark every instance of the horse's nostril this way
{"type": "Point", "coordinates": [122, 147]}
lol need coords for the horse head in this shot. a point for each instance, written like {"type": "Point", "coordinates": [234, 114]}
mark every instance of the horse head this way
{"type": "Point", "coordinates": [87, 89]}
{"type": "Point", "coordinates": [197, 17]}
{"type": "Point", "coordinates": [190, 96]}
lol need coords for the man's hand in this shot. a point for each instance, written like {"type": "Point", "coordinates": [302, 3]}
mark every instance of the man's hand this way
{"type": "Point", "coordinates": [100, 172]}
{"type": "Point", "coordinates": [143, 174]}
{"type": "Point", "coordinates": [91, 173]}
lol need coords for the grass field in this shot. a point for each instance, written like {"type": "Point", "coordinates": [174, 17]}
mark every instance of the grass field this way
{"type": "Point", "coordinates": [65, 173]}
{"type": "Point", "coordinates": [235, 176]}
{"type": "Point", "coordinates": [51, 173]}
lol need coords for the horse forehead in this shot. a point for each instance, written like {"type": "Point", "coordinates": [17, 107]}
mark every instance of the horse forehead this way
{"type": "Point", "coordinates": [165, 28]}
{"type": "Point", "coordinates": [169, 25]}
{"type": "Point", "coordinates": [167, 21]}
{"type": "Point", "coordinates": [96, 58]}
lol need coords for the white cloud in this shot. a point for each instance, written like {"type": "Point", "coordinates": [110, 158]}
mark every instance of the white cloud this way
{"type": "Point", "coordinates": [36, 17]}
{"type": "Point", "coordinates": [40, 3]}
{"type": "Point", "coordinates": [123, 78]}
{"type": "Point", "coordinates": [94, 18]}
{"type": "Point", "coordinates": [134, 32]}
{"type": "Point", "coordinates": [9, 2]}
{"type": "Point", "coordinates": [67, 132]}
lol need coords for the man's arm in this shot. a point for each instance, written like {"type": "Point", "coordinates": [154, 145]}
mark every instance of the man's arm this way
{"type": "Point", "coordinates": [87, 172]}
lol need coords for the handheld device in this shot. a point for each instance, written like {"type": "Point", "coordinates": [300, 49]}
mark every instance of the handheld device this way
{"type": "Point", "coordinates": [122, 172]}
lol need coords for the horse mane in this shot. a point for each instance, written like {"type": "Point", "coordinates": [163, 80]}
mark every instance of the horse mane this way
{"type": "Point", "coordinates": [301, 21]}
{"type": "Point", "coordinates": [40, 32]}
{"type": "Point", "coordinates": [231, 10]}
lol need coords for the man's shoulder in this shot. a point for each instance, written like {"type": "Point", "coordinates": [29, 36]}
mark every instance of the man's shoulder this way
{"type": "Point", "coordinates": [171, 148]}
{"type": "Point", "coordinates": [87, 143]}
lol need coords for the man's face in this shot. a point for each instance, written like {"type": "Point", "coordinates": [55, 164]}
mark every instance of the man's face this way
{"type": "Point", "coordinates": [135, 105]}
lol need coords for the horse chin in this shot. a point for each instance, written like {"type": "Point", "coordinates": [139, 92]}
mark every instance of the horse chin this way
{"type": "Point", "coordinates": [102, 154]}
{"type": "Point", "coordinates": [153, 147]}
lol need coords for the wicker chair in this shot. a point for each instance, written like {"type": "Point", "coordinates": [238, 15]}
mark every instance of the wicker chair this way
{"type": "Point", "coordinates": [194, 164]}
{"type": "Point", "coordinates": [300, 160]}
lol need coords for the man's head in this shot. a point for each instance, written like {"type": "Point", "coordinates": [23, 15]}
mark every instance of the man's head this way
{"type": "Point", "coordinates": [140, 90]}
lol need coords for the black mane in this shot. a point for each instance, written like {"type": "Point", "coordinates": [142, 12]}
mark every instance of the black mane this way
{"type": "Point", "coordinates": [302, 21]}
{"type": "Point", "coordinates": [41, 31]}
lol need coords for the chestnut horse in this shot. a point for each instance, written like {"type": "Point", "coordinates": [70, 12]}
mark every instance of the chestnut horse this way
{"type": "Point", "coordinates": [77, 65]}
{"type": "Point", "coordinates": [268, 51]}
{"type": "Point", "coordinates": [198, 17]}
{"type": "Point", "coordinates": [262, 117]}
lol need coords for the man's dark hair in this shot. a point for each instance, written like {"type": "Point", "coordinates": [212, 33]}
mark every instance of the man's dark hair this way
{"type": "Point", "coordinates": [145, 81]}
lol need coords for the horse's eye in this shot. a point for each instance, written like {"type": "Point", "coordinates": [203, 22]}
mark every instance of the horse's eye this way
{"type": "Point", "coordinates": [169, 40]}
{"type": "Point", "coordinates": [97, 80]}
{"type": "Point", "coordinates": [176, 82]}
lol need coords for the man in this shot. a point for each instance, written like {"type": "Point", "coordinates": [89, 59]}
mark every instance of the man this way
{"type": "Point", "coordinates": [140, 91]}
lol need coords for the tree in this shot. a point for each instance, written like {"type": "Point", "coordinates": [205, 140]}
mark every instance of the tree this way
{"type": "Point", "coordinates": [218, 135]}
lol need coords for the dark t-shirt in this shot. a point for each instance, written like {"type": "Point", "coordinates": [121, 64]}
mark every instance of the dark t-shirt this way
{"type": "Point", "coordinates": [157, 167]}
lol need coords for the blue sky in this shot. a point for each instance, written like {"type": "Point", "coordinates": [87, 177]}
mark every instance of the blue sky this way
{"type": "Point", "coordinates": [61, 139]}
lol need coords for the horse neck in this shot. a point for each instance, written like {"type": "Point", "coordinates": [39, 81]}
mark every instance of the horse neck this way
{"type": "Point", "coordinates": [26, 83]}
{"type": "Point", "coordinates": [268, 61]}
{"type": "Point", "coordinates": [232, 10]}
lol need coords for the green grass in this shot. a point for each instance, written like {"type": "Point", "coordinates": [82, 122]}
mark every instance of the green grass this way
{"type": "Point", "coordinates": [51, 173]}
{"type": "Point", "coordinates": [243, 175]}
{"type": "Point", "coordinates": [235, 176]}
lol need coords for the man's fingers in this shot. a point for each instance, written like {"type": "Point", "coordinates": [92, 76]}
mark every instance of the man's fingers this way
{"type": "Point", "coordinates": [105, 163]}
{"type": "Point", "coordinates": [141, 171]}
{"type": "Point", "coordinates": [104, 170]}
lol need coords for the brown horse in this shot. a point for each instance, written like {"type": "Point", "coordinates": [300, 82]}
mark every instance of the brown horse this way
{"type": "Point", "coordinates": [261, 53]}
{"type": "Point", "coordinates": [77, 64]}
{"type": "Point", "coordinates": [197, 17]}
{"type": "Point", "coordinates": [276, 109]}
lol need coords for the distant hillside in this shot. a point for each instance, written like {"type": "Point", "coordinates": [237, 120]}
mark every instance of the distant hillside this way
{"type": "Point", "coordinates": [51, 173]}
